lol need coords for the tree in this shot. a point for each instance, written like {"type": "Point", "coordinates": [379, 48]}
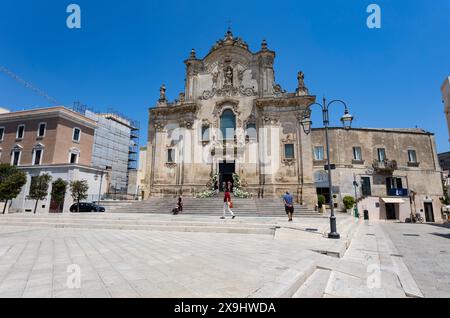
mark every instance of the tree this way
{"type": "Point", "coordinates": [39, 188]}
{"type": "Point", "coordinates": [349, 202]}
{"type": "Point", "coordinates": [79, 191]}
{"type": "Point", "coordinates": [11, 182]}
{"type": "Point", "coordinates": [59, 188]}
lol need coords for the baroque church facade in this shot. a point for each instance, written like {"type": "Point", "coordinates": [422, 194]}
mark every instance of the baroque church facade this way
{"type": "Point", "coordinates": [232, 119]}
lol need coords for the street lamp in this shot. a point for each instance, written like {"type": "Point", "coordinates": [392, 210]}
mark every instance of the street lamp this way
{"type": "Point", "coordinates": [347, 119]}
{"type": "Point", "coordinates": [306, 123]}
{"type": "Point", "coordinates": [356, 185]}
{"type": "Point", "coordinates": [100, 189]}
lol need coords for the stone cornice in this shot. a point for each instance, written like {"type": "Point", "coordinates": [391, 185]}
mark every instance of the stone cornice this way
{"type": "Point", "coordinates": [48, 113]}
{"type": "Point", "coordinates": [290, 101]}
{"type": "Point", "coordinates": [176, 109]}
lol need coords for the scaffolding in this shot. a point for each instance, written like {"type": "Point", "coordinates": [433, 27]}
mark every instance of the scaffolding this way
{"type": "Point", "coordinates": [116, 143]}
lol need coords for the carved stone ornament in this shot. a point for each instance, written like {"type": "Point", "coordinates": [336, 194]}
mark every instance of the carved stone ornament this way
{"type": "Point", "coordinates": [159, 125]}
{"type": "Point", "coordinates": [187, 123]}
{"type": "Point", "coordinates": [290, 138]}
{"type": "Point", "coordinates": [228, 91]}
{"type": "Point", "coordinates": [278, 90]}
{"type": "Point", "coordinates": [229, 40]}
{"type": "Point", "coordinates": [271, 119]}
{"type": "Point", "coordinates": [226, 104]}
{"type": "Point", "coordinates": [288, 162]}
{"type": "Point", "coordinates": [170, 165]}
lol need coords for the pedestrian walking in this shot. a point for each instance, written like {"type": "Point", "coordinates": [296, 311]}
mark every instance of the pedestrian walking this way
{"type": "Point", "coordinates": [227, 205]}
{"type": "Point", "coordinates": [288, 201]}
{"type": "Point", "coordinates": [216, 188]}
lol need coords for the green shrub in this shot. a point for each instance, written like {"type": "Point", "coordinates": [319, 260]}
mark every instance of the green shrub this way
{"type": "Point", "coordinates": [321, 200]}
{"type": "Point", "coordinates": [349, 202]}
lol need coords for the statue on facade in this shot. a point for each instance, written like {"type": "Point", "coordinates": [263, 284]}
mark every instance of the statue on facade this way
{"type": "Point", "coordinates": [301, 89]}
{"type": "Point", "coordinates": [278, 90]}
{"type": "Point", "coordinates": [264, 45]}
{"type": "Point", "coordinates": [193, 56]}
{"type": "Point", "coordinates": [241, 76]}
{"type": "Point", "coordinates": [162, 94]}
{"type": "Point", "coordinates": [215, 77]}
{"type": "Point", "coordinates": [229, 76]}
{"type": "Point", "coordinates": [181, 98]}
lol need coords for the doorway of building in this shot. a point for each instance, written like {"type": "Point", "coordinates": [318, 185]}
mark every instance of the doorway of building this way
{"type": "Point", "coordinates": [366, 188]}
{"type": "Point", "coordinates": [326, 193]}
{"type": "Point", "coordinates": [226, 171]}
{"type": "Point", "coordinates": [390, 211]}
{"type": "Point", "coordinates": [429, 214]}
{"type": "Point", "coordinates": [55, 207]}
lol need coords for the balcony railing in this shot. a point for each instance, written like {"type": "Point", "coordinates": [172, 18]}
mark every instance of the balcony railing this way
{"type": "Point", "coordinates": [385, 166]}
{"type": "Point", "coordinates": [398, 192]}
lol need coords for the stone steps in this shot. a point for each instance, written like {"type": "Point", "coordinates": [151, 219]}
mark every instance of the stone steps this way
{"type": "Point", "coordinates": [108, 222]}
{"type": "Point", "coordinates": [214, 207]}
{"type": "Point", "coordinates": [315, 285]}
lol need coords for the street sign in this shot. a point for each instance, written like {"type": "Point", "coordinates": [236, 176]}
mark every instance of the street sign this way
{"type": "Point", "coordinates": [333, 167]}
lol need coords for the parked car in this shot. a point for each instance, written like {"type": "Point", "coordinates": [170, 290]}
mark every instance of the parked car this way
{"type": "Point", "coordinates": [87, 207]}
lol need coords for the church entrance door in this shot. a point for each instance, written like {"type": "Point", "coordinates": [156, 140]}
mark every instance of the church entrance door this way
{"type": "Point", "coordinates": [226, 170]}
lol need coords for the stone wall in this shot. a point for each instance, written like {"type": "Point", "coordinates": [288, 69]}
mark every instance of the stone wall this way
{"type": "Point", "coordinates": [422, 177]}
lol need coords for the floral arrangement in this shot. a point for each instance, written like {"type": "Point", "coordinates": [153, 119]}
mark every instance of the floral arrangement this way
{"type": "Point", "coordinates": [237, 188]}
{"type": "Point", "coordinates": [205, 194]}
{"type": "Point", "coordinates": [238, 192]}
{"type": "Point", "coordinates": [210, 185]}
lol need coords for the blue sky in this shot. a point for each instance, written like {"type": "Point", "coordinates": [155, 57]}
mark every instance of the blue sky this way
{"type": "Point", "coordinates": [125, 50]}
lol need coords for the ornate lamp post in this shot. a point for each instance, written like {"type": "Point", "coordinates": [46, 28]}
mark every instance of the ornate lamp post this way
{"type": "Point", "coordinates": [306, 123]}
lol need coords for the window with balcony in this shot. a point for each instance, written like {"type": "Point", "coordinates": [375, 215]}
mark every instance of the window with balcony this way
{"type": "Point", "coordinates": [394, 187]}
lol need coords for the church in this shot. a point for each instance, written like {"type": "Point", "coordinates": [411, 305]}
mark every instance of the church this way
{"type": "Point", "coordinates": [234, 124]}
{"type": "Point", "coordinates": [232, 121]}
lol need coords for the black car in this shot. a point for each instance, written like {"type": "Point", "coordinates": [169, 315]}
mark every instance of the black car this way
{"type": "Point", "coordinates": [87, 207]}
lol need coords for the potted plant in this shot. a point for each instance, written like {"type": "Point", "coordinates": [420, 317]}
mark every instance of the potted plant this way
{"type": "Point", "coordinates": [349, 203]}
{"type": "Point", "coordinates": [321, 202]}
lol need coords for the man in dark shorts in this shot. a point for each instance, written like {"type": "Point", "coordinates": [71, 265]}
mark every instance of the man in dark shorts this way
{"type": "Point", "coordinates": [289, 205]}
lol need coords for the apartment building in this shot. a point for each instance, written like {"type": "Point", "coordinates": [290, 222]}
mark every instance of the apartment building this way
{"type": "Point", "coordinates": [52, 140]}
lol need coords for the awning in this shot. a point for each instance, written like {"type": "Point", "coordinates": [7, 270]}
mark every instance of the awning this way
{"type": "Point", "coordinates": [393, 200]}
